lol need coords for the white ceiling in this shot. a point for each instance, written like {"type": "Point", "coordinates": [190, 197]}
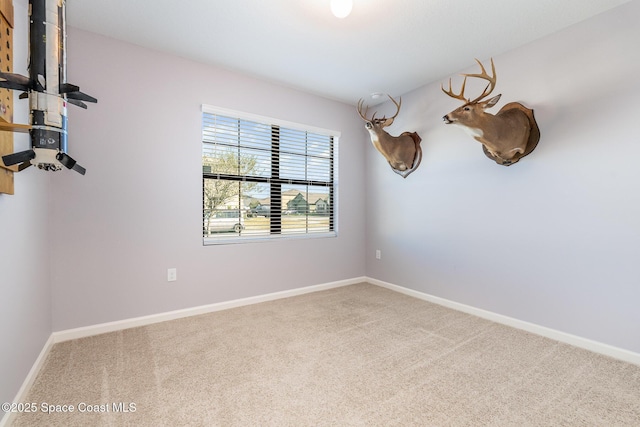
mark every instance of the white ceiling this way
{"type": "Point", "coordinates": [390, 46]}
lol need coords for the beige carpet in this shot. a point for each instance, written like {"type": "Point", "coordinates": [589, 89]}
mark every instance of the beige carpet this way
{"type": "Point", "coordinates": [359, 355]}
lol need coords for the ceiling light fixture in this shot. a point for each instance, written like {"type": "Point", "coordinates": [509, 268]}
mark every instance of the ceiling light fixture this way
{"type": "Point", "coordinates": [341, 8]}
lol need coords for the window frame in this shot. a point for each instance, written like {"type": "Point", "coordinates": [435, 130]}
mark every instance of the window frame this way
{"type": "Point", "coordinates": [275, 182]}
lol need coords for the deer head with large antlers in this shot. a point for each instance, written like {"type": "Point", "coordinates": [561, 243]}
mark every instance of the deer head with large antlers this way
{"type": "Point", "coordinates": [507, 136]}
{"type": "Point", "coordinates": [402, 152]}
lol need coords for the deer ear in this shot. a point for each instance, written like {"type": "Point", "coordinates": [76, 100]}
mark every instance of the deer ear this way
{"type": "Point", "coordinates": [387, 122]}
{"type": "Point", "coordinates": [491, 102]}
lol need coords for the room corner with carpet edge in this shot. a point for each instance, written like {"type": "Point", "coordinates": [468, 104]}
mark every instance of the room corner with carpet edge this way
{"type": "Point", "coordinates": [466, 294]}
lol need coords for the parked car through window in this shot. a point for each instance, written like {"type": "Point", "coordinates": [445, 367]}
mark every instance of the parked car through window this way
{"type": "Point", "coordinates": [223, 220]}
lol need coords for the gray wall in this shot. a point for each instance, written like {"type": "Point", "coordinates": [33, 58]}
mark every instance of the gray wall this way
{"type": "Point", "coordinates": [552, 240]}
{"type": "Point", "coordinates": [138, 210]}
{"type": "Point", "coordinates": [25, 300]}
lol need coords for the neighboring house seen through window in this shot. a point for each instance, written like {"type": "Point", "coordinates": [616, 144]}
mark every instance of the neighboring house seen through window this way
{"type": "Point", "coordinates": [264, 178]}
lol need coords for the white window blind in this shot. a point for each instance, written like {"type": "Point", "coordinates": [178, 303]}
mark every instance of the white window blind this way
{"type": "Point", "coordinates": [264, 178]}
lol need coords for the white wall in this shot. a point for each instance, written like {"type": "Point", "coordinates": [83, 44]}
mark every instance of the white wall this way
{"type": "Point", "coordinates": [138, 210]}
{"type": "Point", "coordinates": [25, 305]}
{"type": "Point", "coordinates": [554, 239]}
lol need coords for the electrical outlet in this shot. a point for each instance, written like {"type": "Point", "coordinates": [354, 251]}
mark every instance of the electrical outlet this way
{"type": "Point", "coordinates": [378, 254]}
{"type": "Point", "coordinates": [172, 275]}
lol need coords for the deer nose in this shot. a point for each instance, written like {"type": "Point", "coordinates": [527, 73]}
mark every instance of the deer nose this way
{"type": "Point", "coordinates": [446, 119]}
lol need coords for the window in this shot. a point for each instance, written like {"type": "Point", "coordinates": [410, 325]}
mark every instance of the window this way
{"type": "Point", "coordinates": [264, 178]}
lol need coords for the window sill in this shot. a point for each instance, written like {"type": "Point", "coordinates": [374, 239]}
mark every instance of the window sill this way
{"type": "Point", "coordinates": [213, 241]}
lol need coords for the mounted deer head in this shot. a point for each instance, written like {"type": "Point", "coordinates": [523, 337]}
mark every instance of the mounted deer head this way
{"type": "Point", "coordinates": [402, 152]}
{"type": "Point", "coordinates": [507, 136]}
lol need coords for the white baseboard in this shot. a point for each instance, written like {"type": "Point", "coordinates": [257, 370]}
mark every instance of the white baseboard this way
{"type": "Point", "coordinates": [28, 382]}
{"type": "Point", "coordinates": [102, 328]}
{"type": "Point", "coordinates": [574, 340]}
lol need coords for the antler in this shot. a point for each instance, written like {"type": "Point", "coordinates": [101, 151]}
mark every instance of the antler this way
{"type": "Point", "coordinates": [397, 108]}
{"type": "Point", "coordinates": [460, 95]}
{"type": "Point", "coordinates": [483, 75]}
{"type": "Point", "coordinates": [364, 116]}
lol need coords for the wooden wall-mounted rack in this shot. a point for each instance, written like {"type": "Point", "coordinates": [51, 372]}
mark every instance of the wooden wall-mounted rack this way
{"type": "Point", "coordinates": [6, 95]}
